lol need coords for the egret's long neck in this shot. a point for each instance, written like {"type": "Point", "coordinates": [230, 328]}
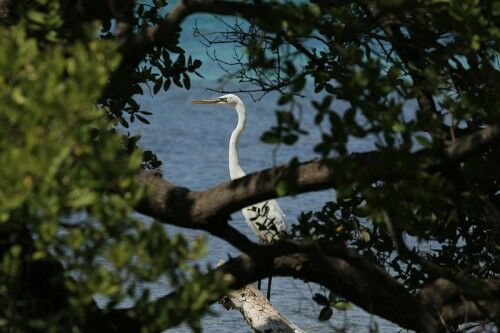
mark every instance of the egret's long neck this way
{"type": "Point", "coordinates": [235, 171]}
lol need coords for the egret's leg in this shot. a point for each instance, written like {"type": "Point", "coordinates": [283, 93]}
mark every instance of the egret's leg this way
{"type": "Point", "coordinates": [259, 281]}
{"type": "Point", "coordinates": [269, 287]}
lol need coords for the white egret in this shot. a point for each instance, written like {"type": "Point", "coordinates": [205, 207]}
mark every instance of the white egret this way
{"type": "Point", "coordinates": [265, 219]}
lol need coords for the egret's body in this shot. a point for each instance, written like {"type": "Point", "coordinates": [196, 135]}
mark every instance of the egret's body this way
{"type": "Point", "coordinates": [267, 226]}
{"type": "Point", "coordinates": [265, 219]}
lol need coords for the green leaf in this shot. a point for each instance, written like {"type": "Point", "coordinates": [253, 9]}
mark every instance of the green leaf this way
{"type": "Point", "coordinates": [320, 299]}
{"type": "Point", "coordinates": [398, 127]}
{"type": "Point", "coordinates": [144, 120]}
{"type": "Point", "coordinates": [285, 117]}
{"type": "Point", "coordinates": [140, 10]}
{"type": "Point", "coordinates": [177, 81]}
{"type": "Point", "coordinates": [342, 305]}
{"type": "Point", "coordinates": [157, 86]}
{"type": "Point", "coordinates": [186, 81]}
{"type": "Point", "coordinates": [281, 188]}
{"type": "Point", "coordinates": [330, 89]}
{"type": "Point", "coordinates": [290, 139]}
{"type": "Point", "coordinates": [197, 63]}
{"type": "Point", "coordinates": [284, 98]}
{"type": "Point", "coordinates": [82, 198]}
{"type": "Point", "coordinates": [325, 314]}
{"type": "Point", "coordinates": [174, 49]}
{"type": "Point", "coordinates": [166, 86]}
{"type": "Point", "coordinates": [270, 138]}
{"type": "Point", "coordinates": [425, 142]}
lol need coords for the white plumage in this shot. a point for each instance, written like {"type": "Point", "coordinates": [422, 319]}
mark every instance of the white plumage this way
{"type": "Point", "coordinates": [265, 219]}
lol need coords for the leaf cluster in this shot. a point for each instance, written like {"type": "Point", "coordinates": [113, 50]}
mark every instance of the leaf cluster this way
{"type": "Point", "coordinates": [68, 233]}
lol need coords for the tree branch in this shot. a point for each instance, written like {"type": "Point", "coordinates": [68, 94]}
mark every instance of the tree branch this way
{"type": "Point", "coordinates": [448, 301]}
{"type": "Point", "coordinates": [134, 47]}
{"type": "Point", "coordinates": [469, 286]}
{"type": "Point", "coordinates": [347, 274]}
{"type": "Point", "coordinates": [408, 53]}
{"type": "Point", "coordinates": [376, 292]}
{"type": "Point", "coordinates": [210, 209]}
{"type": "Point", "coordinates": [467, 145]}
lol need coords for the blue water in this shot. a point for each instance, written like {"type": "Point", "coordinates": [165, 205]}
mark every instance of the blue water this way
{"type": "Point", "coordinates": [192, 141]}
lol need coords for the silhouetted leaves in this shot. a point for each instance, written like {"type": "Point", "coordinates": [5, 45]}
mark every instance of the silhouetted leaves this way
{"type": "Point", "coordinates": [325, 314]}
{"type": "Point", "coordinates": [321, 299]}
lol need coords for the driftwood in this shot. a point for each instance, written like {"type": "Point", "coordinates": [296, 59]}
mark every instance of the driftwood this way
{"type": "Point", "coordinates": [258, 312]}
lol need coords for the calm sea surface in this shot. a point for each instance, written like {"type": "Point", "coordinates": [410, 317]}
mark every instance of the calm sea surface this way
{"type": "Point", "coordinates": [192, 142]}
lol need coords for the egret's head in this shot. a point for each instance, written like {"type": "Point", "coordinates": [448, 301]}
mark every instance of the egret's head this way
{"type": "Point", "coordinates": [228, 99]}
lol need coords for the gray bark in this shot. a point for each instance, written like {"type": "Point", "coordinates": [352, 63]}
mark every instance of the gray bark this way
{"type": "Point", "coordinates": [260, 315]}
{"type": "Point", "coordinates": [258, 312]}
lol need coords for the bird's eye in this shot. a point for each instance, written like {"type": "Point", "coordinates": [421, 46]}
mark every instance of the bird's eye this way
{"type": "Point", "coordinates": [224, 99]}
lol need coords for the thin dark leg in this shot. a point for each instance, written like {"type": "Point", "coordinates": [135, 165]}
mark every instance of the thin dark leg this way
{"type": "Point", "coordinates": [259, 282]}
{"type": "Point", "coordinates": [269, 288]}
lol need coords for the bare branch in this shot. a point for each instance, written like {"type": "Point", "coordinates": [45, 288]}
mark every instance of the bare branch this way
{"type": "Point", "coordinates": [405, 49]}
{"type": "Point", "coordinates": [134, 47]}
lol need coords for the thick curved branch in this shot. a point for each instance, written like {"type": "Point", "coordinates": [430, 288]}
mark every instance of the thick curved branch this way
{"type": "Point", "coordinates": [470, 311]}
{"type": "Point", "coordinates": [345, 273]}
{"type": "Point", "coordinates": [209, 209]}
{"type": "Point", "coordinates": [179, 206]}
{"type": "Point", "coordinates": [377, 293]}
{"type": "Point", "coordinates": [467, 145]}
{"type": "Point", "coordinates": [226, 198]}
{"type": "Point", "coordinates": [448, 301]}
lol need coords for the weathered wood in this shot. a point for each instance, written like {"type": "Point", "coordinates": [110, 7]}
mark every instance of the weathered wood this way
{"type": "Point", "coordinates": [258, 312]}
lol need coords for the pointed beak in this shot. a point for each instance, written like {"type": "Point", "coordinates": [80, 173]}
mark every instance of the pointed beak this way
{"type": "Point", "coordinates": [206, 101]}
